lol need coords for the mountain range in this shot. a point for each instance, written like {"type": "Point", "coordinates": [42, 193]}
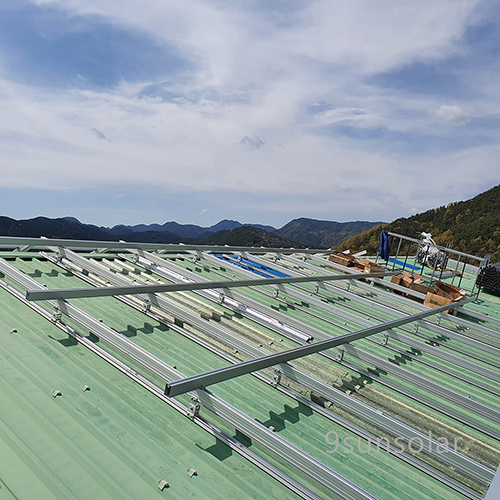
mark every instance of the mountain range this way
{"type": "Point", "coordinates": [298, 233]}
{"type": "Point", "coordinates": [471, 226]}
{"type": "Point", "coordinates": [183, 230]}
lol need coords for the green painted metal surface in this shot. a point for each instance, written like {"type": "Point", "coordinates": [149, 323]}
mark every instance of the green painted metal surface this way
{"type": "Point", "coordinates": [120, 441]}
{"type": "Point", "coordinates": [115, 440]}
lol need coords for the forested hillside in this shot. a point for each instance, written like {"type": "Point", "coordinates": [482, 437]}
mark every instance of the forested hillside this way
{"type": "Point", "coordinates": [248, 236]}
{"type": "Point", "coordinates": [322, 233]}
{"type": "Point", "coordinates": [473, 226]}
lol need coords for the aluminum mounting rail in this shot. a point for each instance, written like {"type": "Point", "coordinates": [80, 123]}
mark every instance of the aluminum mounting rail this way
{"type": "Point", "coordinates": [121, 343]}
{"type": "Point", "coordinates": [8, 241]}
{"type": "Point", "coordinates": [204, 424]}
{"type": "Point", "coordinates": [440, 329]}
{"type": "Point", "coordinates": [252, 309]}
{"type": "Point", "coordinates": [99, 269]}
{"type": "Point", "coordinates": [387, 366]}
{"type": "Point", "coordinates": [468, 403]}
{"type": "Point", "coordinates": [335, 310]}
{"type": "Point", "coordinates": [406, 374]}
{"type": "Point", "coordinates": [229, 372]}
{"type": "Point", "coordinates": [76, 293]}
{"type": "Point", "coordinates": [404, 339]}
{"type": "Point", "coordinates": [307, 464]}
{"type": "Point", "coordinates": [468, 466]}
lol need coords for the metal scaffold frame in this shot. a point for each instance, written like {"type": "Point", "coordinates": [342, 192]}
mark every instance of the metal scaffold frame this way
{"type": "Point", "coordinates": [424, 252]}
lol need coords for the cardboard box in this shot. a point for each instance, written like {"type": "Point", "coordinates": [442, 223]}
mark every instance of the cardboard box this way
{"type": "Point", "coordinates": [359, 265]}
{"type": "Point", "coordinates": [369, 267]}
{"type": "Point", "coordinates": [397, 279]}
{"type": "Point", "coordinates": [433, 300]}
{"type": "Point", "coordinates": [451, 291]}
{"type": "Point", "coordinates": [417, 278]}
{"type": "Point", "coordinates": [407, 281]}
{"type": "Point", "coordinates": [342, 259]}
{"type": "Point", "coordinates": [418, 287]}
{"type": "Point", "coordinates": [442, 293]}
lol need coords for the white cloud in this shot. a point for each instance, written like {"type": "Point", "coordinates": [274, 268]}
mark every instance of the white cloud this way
{"type": "Point", "coordinates": [450, 115]}
{"type": "Point", "coordinates": [249, 81]}
{"type": "Point", "coordinates": [356, 117]}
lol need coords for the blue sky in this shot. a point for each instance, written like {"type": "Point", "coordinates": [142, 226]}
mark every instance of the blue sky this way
{"type": "Point", "coordinates": [125, 112]}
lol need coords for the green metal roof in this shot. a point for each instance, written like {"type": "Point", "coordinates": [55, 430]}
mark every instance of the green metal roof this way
{"type": "Point", "coordinates": [117, 439]}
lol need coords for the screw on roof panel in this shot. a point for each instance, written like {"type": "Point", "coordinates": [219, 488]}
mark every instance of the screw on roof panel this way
{"type": "Point", "coordinates": [56, 393]}
{"type": "Point", "coordinates": [85, 388]}
{"type": "Point", "coordinates": [13, 330]}
{"type": "Point", "coordinates": [163, 484]}
{"type": "Point", "coordinates": [192, 472]}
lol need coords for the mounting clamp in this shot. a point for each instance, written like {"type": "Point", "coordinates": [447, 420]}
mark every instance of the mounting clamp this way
{"type": "Point", "coordinates": [194, 408]}
{"type": "Point", "coordinates": [146, 305]}
{"type": "Point", "coordinates": [340, 354]}
{"type": "Point", "coordinates": [57, 314]}
{"type": "Point", "coordinates": [276, 377]}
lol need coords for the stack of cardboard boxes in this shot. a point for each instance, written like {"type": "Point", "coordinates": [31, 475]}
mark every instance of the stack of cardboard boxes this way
{"type": "Point", "coordinates": [361, 265]}
{"type": "Point", "coordinates": [439, 295]}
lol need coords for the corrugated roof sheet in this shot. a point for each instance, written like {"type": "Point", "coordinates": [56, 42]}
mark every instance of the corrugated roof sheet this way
{"type": "Point", "coordinates": [118, 440]}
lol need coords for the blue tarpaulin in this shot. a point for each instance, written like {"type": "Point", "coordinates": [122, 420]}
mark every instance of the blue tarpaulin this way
{"type": "Point", "coordinates": [250, 265]}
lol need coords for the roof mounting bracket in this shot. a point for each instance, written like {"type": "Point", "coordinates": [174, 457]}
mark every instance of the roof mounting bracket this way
{"type": "Point", "coordinates": [23, 248]}
{"type": "Point", "coordinates": [147, 305]}
{"type": "Point", "coordinates": [222, 297]}
{"type": "Point", "coordinates": [57, 314]}
{"type": "Point", "coordinates": [194, 408]}
{"type": "Point", "coordinates": [385, 338]}
{"type": "Point", "coordinates": [163, 484]}
{"type": "Point", "coordinates": [347, 285]}
{"type": "Point", "coordinates": [316, 289]}
{"type": "Point", "coordinates": [276, 377]}
{"type": "Point", "coordinates": [276, 293]}
{"type": "Point", "coordinates": [340, 354]}
{"type": "Point", "coordinates": [415, 327]}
